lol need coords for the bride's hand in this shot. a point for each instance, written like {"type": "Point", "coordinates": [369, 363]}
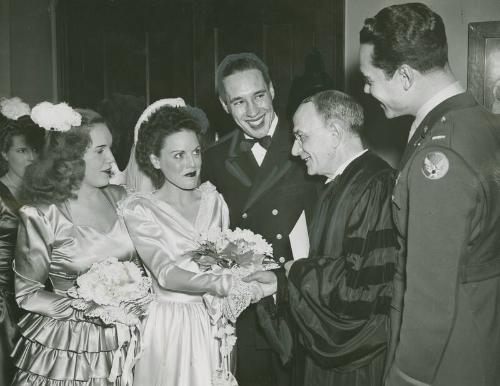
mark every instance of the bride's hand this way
{"type": "Point", "coordinates": [220, 285]}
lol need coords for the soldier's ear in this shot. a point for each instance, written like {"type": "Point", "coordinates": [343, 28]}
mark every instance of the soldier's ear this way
{"type": "Point", "coordinates": [406, 75]}
{"type": "Point", "coordinates": [224, 105]}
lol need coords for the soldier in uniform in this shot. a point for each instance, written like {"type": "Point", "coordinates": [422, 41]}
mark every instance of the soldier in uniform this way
{"type": "Point", "coordinates": [446, 206]}
{"type": "Point", "coordinates": [266, 190]}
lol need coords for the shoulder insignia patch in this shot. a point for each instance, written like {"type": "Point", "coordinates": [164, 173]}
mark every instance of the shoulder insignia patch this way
{"type": "Point", "coordinates": [435, 165]}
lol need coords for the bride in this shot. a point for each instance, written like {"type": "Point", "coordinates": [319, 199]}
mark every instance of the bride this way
{"type": "Point", "coordinates": [180, 344]}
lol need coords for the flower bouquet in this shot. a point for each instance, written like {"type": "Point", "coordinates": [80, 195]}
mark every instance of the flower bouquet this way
{"type": "Point", "coordinates": [239, 252]}
{"type": "Point", "coordinates": [117, 293]}
{"type": "Point", "coordinates": [113, 291]}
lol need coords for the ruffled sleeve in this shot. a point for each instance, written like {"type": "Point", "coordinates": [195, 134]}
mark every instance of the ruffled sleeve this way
{"type": "Point", "coordinates": [32, 265]}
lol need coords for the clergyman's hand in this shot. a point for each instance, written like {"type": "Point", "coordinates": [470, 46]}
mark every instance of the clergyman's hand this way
{"type": "Point", "coordinates": [266, 280]}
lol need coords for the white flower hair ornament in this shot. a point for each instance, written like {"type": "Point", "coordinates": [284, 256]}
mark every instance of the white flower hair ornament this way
{"type": "Point", "coordinates": [13, 108]}
{"type": "Point", "coordinates": [60, 117]}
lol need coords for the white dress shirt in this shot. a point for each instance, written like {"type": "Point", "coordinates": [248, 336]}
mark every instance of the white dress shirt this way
{"type": "Point", "coordinates": [258, 151]}
{"type": "Point", "coordinates": [343, 167]}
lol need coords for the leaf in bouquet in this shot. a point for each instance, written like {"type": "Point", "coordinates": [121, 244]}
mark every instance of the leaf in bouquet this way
{"type": "Point", "coordinates": [205, 260]}
{"type": "Point", "coordinates": [229, 251]}
{"type": "Point", "coordinates": [226, 263]}
{"type": "Point", "coordinates": [248, 259]}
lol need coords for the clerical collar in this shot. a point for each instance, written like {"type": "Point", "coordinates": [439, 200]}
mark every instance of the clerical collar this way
{"type": "Point", "coordinates": [344, 166]}
{"type": "Point", "coordinates": [272, 129]}
{"type": "Point", "coordinates": [446, 93]}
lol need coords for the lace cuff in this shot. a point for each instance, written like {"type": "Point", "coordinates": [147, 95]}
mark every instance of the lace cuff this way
{"type": "Point", "coordinates": [239, 298]}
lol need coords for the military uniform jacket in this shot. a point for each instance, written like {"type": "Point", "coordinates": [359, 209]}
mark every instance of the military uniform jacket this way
{"type": "Point", "coordinates": [267, 200]}
{"type": "Point", "coordinates": [447, 210]}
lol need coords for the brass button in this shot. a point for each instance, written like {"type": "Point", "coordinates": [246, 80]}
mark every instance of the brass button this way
{"type": "Point", "coordinates": [282, 260]}
{"type": "Point", "coordinates": [244, 215]}
{"type": "Point", "coordinates": [278, 236]}
{"type": "Point", "coordinates": [274, 212]}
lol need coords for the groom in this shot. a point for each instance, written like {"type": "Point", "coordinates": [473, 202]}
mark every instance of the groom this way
{"type": "Point", "coordinates": [266, 191]}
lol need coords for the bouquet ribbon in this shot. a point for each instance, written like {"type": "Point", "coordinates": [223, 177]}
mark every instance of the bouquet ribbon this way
{"type": "Point", "coordinates": [125, 334]}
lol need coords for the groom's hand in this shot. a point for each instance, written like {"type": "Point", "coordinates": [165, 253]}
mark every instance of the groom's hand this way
{"type": "Point", "coordinates": [266, 280]}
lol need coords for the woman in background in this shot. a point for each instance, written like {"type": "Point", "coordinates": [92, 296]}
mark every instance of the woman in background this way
{"type": "Point", "coordinates": [69, 224]}
{"type": "Point", "coordinates": [20, 141]}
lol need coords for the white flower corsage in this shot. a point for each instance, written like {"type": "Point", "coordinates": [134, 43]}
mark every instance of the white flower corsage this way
{"type": "Point", "coordinates": [14, 108]}
{"type": "Point", "coordinates": [60, 117]}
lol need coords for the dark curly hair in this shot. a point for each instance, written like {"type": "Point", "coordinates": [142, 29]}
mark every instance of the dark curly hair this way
{"type": "Point", "coordinates": [23, 127]}
{"type": "Point", "coordinates": [406, 34]}
{"type": "Point", "coordinates": [165, 121]}
{"type": "Point", "coordinates": [59, 172]}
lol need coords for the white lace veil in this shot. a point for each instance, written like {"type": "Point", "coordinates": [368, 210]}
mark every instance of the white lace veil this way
{"type": "Point", "coordinates": [135, 179]}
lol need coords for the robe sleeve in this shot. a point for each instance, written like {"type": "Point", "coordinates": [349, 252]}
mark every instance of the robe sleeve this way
{"type": "Point", "coordinates": [340, 300]}
{"type": "Point", "coordinates": [153, 247]}
{"type": "Point", "coordinates": [32, 266]}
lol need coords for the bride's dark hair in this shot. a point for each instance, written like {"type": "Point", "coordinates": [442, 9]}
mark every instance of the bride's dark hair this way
{"type": "Point", "coordinates": [166, 121]}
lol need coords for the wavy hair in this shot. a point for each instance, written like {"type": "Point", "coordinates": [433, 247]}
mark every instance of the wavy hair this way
{"type": "Point", "coordinates": [59, 172]}
{"type": "Point", "coordinates": [406, 34]}
{"type": "Point", "coordinates": [333, 104]}
{"type": "Point", "coordinates": [23, 127]}
{"type": "Point", "coordinates": [166, 121]}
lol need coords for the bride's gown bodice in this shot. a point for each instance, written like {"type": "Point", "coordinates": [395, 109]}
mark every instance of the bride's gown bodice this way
{"type": "Point", "coordinates": [164, 238]}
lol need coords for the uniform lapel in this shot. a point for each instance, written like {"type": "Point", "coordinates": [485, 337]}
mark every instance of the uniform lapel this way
{"type": "Point", "coordinates": [276, 163]}
{"type": "Point", "coordinates": [235, 160]}
{"type": "Point", "coordinates": [458, 101]}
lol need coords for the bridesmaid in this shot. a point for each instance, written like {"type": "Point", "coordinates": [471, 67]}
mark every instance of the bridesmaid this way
{"type": "Point", "coordinates": [20, 141]}
{"type": "Point", "coordinates": [70, 224]}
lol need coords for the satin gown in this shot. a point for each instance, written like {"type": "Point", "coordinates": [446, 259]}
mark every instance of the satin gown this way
{"type": "Point", "coordinates": [9, 312]}
{"type": "Point", "coordinates": [180, 348]}
{"type": "Point", "coordinates": [58, 345]}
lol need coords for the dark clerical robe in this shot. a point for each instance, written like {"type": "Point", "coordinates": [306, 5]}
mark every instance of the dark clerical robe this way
{"type": "Point", "coordinates": [340, 296]}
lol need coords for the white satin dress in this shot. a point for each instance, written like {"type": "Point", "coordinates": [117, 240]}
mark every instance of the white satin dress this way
{"type": "Point", "coordinates": [180, 348]}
